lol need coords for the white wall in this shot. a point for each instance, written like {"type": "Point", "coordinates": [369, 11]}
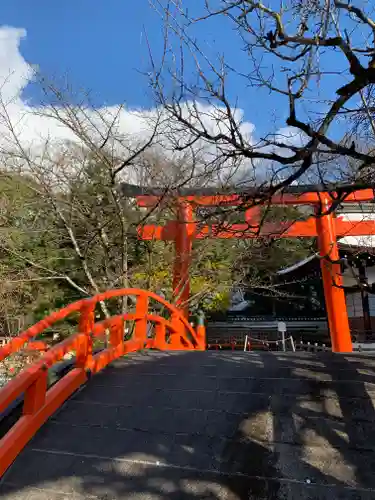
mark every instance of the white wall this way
{"type": "Point", "coordinates": [358, 241]}
{"type": "Point", "coordinates": [349, 280]}
{"type": "Point", "coordinates": [354, 305]}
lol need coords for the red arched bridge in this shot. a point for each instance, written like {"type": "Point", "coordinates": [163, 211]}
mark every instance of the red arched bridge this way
{"type": "Point", "coordinates": [155, 416]}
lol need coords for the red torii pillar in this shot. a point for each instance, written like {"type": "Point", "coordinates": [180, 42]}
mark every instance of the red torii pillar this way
{"type": "Point", "coordinates": [331, 273]}
{"type": "Point", "coordinates": [335, 301]}
{"type": "Point", "coordinates": [184, 235]}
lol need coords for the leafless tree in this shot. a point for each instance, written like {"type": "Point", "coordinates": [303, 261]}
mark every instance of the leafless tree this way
{"type": "Point", "coordinates": [98, 147]}
{"type": "Point", "coordinates": [317, 56]}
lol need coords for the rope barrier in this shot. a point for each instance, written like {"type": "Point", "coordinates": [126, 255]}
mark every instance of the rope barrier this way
{"type": "Point", "coordinates": [247, 341]}
{"type": "Point", "coordinates": [268, 341]}
{"type": "Point", "coordinates": [232, 343]}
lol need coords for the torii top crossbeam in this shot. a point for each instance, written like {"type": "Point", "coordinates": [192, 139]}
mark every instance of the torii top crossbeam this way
{"type": "Point", "coordinates": [291, 195]}
{"type": "Point", "coordinates": [323, 225]}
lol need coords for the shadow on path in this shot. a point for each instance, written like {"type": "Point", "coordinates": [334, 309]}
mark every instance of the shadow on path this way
{"type": "Point", "coordinates": [210, 426]}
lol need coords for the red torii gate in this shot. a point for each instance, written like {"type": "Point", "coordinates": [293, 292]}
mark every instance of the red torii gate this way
{"type": "Point", "coordinates": [325, 226]}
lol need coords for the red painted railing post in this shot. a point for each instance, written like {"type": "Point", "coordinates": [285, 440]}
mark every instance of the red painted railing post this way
{"type": "Point", "coordinates": [331, 273]}
{"type": "Point", "coordinates": [141, 309]}
{"type": "Point", "coordinates": [35, 395]}
{"type": "Point", "coordinates": [116, 335]}
{"type": "Point", "coordinates": [85, 341]}
{"type": "Point", "coordinates": [176, 333]}
{"type": "Point", "coordinates": [160, 336]}
{"type": "Point", "coordinates": [201, 331]}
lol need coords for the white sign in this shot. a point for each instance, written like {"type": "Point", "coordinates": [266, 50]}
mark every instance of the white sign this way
{"type": "Point", "coordinates": [281, 326]}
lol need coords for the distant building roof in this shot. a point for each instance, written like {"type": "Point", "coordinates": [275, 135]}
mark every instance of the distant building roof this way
{"type": "Point", "coordinates": [351, 212]}
{"type": "Point", "coordinates": [295, 266]}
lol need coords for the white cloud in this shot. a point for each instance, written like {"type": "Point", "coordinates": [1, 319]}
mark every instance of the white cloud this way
{"type": "Point", "coordinates": [33, 128]}
{"type": "Point", "coordinates": [290, 136]}
{"type": "Point", "coordinates": [15, 74]}
{"type": "Point", "coordinates": [14, 71]}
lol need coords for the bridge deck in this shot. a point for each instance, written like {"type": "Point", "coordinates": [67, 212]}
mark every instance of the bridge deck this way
{"type": "Point", "coordinates": [209, 425]}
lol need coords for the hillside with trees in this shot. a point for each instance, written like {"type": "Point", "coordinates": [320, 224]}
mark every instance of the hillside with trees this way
{"type": "Point", "coordinates": [60, 245]}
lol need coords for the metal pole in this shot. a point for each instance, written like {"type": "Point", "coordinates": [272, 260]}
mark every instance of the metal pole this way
{"type": "Point", "coordinates": [292, 343]}
{"type": "Point", "coordinates": [281, 326]}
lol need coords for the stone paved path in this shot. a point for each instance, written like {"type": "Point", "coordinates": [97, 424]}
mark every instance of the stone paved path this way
{"type": "Point", "coordinates": [209, 425]}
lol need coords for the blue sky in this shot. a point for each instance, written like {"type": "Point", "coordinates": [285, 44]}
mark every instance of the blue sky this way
{"type": "Point", "coordinates": [101, 46]}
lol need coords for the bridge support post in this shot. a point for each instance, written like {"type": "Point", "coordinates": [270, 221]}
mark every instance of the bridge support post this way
{"type": "Point", "coordinates": [201, 331]}
{"type": "Point", "coordinates": [84, 357]}
{"type": "Point", "coordinates": [332, 281]}
{"type": "Point", "coordinates": [141, 308]}
{"type": "Point", "coordinates": [183, 248]}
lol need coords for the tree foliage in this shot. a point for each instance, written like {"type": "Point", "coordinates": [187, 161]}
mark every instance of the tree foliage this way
{"type": "Point", "coordinates": [60, 245]}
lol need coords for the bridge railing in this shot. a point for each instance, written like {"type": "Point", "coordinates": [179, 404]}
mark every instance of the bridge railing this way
{"type": "Point", "coordinates": [40, 402]}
